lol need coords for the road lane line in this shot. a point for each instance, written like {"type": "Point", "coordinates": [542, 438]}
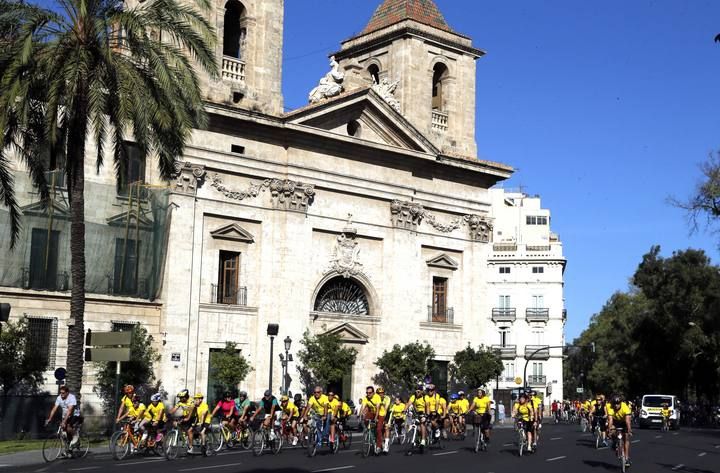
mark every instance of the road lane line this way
{"type": "Point", "coordinates": [676, 433]}
{"type": "Point", "coordinates": [556, 438]}
{"type": "Point", "coordinates": [85, 468]}
{"type": "Point", "coordinates": [346, 467]}
{"type": "Point", "coordinates": [140, 463]}
{"type": "Point", "coordinates": [603, 448]}
{"type": "Point", "coordinates": [507, 444]}
{"type": "Point", "coordinates": [211, 467]}
{"type": "Point", "coordinates": [635, 441]}
{"type": "Point", "coordinates": [658, 436]}
{"type": "Point", "coordinates": [702, 454]}
{"type": "Point", "coordinates": [677, 467]}
{"type": "Point", "coordinates": [444, 453]}
{"type": "Point", "coordinates": [555, 458]}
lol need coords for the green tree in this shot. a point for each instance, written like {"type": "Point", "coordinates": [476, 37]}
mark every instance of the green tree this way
{"type": "Point", "coordinates": [139, 371]}
{"type": "Point", "coordinates": [229, 369]}
{"type": "Point", "coordinates": [473, 368]}
{"type": "Point", "coordinates": [21, 364]}
{"type": "Point", "coordinates": [403, 368]}
{"type": "Point", "coordinates": [323, 360]}
{"type": "Point", "coordinates": [96, 73]}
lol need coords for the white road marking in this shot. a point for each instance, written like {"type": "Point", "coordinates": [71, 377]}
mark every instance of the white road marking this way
{"type": "Point", "coordinates": [211, 467]}
{"type": "Point", "coordinates": [555, 458]}
{"type": "Point", "coordinates": [444, 453]}
{"type": "Point", "coordinates": [677, 467]}
{"type": "Point", "coordinates": [85, 468]}
{"type": "Point", "coordinates": [658, 436]}
{"type": "Point", "coordinates": [140, 463]}
{"type": "Point", "coordinates": [556, 438]}
{"type": "Point", "coordinates": [702, 454]}
{"type": "Point", "coordinates": [717, 446]}
{"type": "Point", "coordinates": [635, 441]}
{"type": "Point", "coordinates": [507, 444]}
{"type": "Point", "coordinates": [676, 433]}
{"type": "Point", "coordinates": [603, 448]}
{"type": "Point", "coordinates": [346, 467]}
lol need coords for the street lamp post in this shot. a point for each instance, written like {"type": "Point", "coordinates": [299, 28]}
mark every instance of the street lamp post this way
{"type": "Point", "coordinates": [284, 360]}
{"type": "Point", "coordinates": [272, 331]}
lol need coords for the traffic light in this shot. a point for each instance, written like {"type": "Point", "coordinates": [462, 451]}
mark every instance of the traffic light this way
{"type": "Point", "coordinates": [4, 312]}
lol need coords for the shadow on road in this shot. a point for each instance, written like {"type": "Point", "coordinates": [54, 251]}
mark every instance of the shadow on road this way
{"type": "Point", "coordinates": [603, 465]}
{"type": "Point", "coordinates": [686, 469]}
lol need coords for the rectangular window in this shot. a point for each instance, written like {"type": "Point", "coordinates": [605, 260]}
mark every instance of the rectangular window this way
{"type": "Point", "coordinates": [538, 269]}
{"type": "Point", "coordinates": [135, 172]}
{"type": "Point", "coordinates": [123, 326]}
{"type": "Point", "coordinates": [536, 220]}
{"type": "Point", "coordinates": [538, 337]}
{"type": "Point", "coordinates": [504, 269]}
{"type": "Point", "coordinates": [542, 220]}
{"type": "Point", "coordinates": [125, 281]}
{"type": "Point", "coordinates": [531, 220]}
{"type": "Point", "coordinates": [504, 302]}
{"type": "Point", "coordinates": [42, 335]}
{"type": "Point", "coordinates": [439, 311]}
{"type": "Point", "coordinates": [504, 337]}
{"type": "Point", "coordinates": [228, 278]}
{"type": "Point", "coordinates": [508, 370]}
{"type": "Point", "coordinates": [537, 369]}
{"type": "Point", "coordinates": [44, 259]}
{"type": "Point", "coordinates": [538, 302]}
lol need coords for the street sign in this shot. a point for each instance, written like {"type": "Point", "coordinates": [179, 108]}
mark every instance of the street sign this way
{"type": "Point", "coordinates": [108, 339]}
{"type": "Point", "coordinates": [579, 390]}
{"type": "Point", "coordinates": [175, 357]}
{"type": "Point", "coordinates": [107, 354]}
{"type": "Point", "coordinates": [60, 374]}
{"type": "Point", "coordinates": [518, 380]}
{"type": "Point", "coordinates": [108, 346]}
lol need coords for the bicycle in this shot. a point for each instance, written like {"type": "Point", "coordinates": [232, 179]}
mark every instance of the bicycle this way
{"type": "Point", "coordinates": [399, 433]}
{"type": "Point", "coordinates": [316, 435]}
{"type": "Point", "coordinates": [480, 441]}
{"type": "Point", "coordinates": [243, 435]}
{"type": "Point", "coordinates": [267, 438]}
{"type": "Point", "coordinates": [414, 437]}
{"type": "Point", "coordinates": [369, 439]}
{"type": "Point", "coordinates": [598, 434]}
{"type": "Point", "coordinates": [521, 436]}
{"type": "Point", "coordinates": [665, 424]}
{"type": "Point", "coordinates": [620, 448]}
{"type": "Point", "coordinates": [58, 444]}
{"type": "Point", "coordinates": [177, 438]}
{"type": "Point", "coordinates": [125, 442]}
{"type": "Point", "coordinates": [344, 436]}
{"type": "Point", "coordinates": [435, 435]}
{"type": "Point", "coordinates": [583, 423]}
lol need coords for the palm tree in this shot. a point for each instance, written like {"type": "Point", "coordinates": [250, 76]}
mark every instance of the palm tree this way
{"type": "Point", "coordinates": [104, 70]}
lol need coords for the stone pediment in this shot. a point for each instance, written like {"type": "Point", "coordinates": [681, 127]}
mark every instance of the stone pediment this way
{"type": "Point", "coordinates": [348, 334]}
{"type": "Point", "coordinates": [443, 261]}
{"type": "Point", "coordinates": [378, 121]}
{"type": "Point", "coordinates": [121, 219]}
{"type": "Point", "coordinates": [233, 232]}
{"type": "Point", "coordinates": [59, 210]}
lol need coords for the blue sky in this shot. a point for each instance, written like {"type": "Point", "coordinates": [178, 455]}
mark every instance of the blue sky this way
{"type": "Point", "coordinates": [605, 108]}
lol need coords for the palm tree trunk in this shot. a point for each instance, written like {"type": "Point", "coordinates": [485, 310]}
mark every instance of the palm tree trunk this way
{"type": "Point", "coordinates": [77, 133]}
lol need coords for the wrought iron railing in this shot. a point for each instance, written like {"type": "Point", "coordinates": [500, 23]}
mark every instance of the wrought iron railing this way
{"type": "Point", "coordinates": [537, 380]}
{"type": "Point", "coordinates": [506, 351]}
{"type": "Point", "coordinates": [505, 247]}
{"type": "Point", "coordinates": [46, 282]}
{"type": "Point", "coordinates": [543, 352]}
{"type": "Point", "coordinates": [439, 316]}
{"type": "Point", "coordinates": [503, 314]}
{"type": "Point", "coordinates": [537, 314]}
{"type": "Point", "coordinates": [229, 295]}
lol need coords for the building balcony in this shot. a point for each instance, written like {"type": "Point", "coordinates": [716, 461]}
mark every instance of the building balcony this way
{"type": "Point", "coordinates": [439, 120]}
{"type": "Point", "coordinates": [537, 314]}
{"type": "Point", "coordinates": [233, 69]}
{"type": "Point", "coordinates": [42, 281]}
{"type": "Point", "coordinates": [503, 314]}
{"type": "Point", "coordinates": [507, 352]}
{"type": "Point", "coordinates": [537, 248]}
{"type": "Point", "coordinates": [543, 352]}
{"type": "Point", "coordinates": [439, 316]}
{"type": "Point", "coordinates": [537, 380]}
{"type": "Point", "coordinates": [505, 247]}
{"type": "Point", "coordinates": [233, 296]}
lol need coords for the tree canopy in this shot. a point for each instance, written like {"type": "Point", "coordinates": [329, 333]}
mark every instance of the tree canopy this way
{"type": "Point", "coordinates": [229, 369]}
{"type": "Point", "coordinates": [21, 363]}
{"type": "Point", "coordinates": [403, 367]}
{"type": "Point", "coordinates": [473, 368]}
{"type": "Point", "coordinates": [323, 360]}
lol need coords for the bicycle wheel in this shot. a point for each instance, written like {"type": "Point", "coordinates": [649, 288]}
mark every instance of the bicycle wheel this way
{"type": "Point", "coordinates": [245, 438]}
{"type": "Point", "coordinates": [521, 442]}
{"type": "Point", "coordinates": [368, 443]}
{"type": "Point", "coordinates": [213, 443]}
{"type": "Point", "coordinates": [171, 442]}
{"type": "Point", "coordinates": [403, 435]}
{"type": "Point", "coordinates": [52, 448]}
{"type": "Point", "coordinates": [114, 437]}
{"type": "Point", "coordinates": [121, 447]}
{"type": "Point", "coordinates": [81, 448]}
{"type": "Point", "coordinates": [346, 440]}
{"type": "Point", "coordinates": [312, 443]}
{"type": "Point", "coordinates": [259, 442]}
{"type": "Point", "coordinates": [276, 444]}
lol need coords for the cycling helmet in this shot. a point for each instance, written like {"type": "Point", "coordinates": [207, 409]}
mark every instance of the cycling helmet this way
{"type": "Point", "coordinates": [453, 397]}
{"type": "Point", "coordinates": [242, 394]}
{"type": "Point", "coordinates": [183, 393]}
{"type": "Point", "coordinates": [461, 393]}
{"type": "Point", "coordinates": [199, 396]}
{"type": "Point", "coordinates": [128, 389]}
{"type": "Point", "coordinates": [380, 390]}
{"type": "Point", "coordinates": [616, 399]}
{"type": "Point", "coordinates": [284, 399]}
{"type": "Point", "coordinates": [156, 397]}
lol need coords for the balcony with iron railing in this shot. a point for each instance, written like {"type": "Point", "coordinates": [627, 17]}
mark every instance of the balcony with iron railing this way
{"type": "Point", "coordinates": [440, 316]}
{"type": "Point", "coordinates": [233, 69]}
{"type": "Point", "coordinates": [537, 380]}
{"type": "Point", "coordinates": [229, 296]}
{"type": "Point", "coordinates": [43, 281]}
{"type": "Point", "coordinates": [543, 352]}
{"type": "Point", "coordinates": [511, 249]}
{"type": "Point", "coordinates": [537, 314]}
{"type": "Point", "coordinates": [507, 352]}
{"type": "Point", "coordinates": [503, 314]}
{"type": "Point", "coordinates": [439, 120]}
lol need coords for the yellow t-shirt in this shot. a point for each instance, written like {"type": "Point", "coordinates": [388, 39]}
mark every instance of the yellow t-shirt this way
{"type": "Point", "coordinates": [456, 407]}
{"type": "Point", "coordinates": [318, 405]}
{"type": "Point", "coordinates": [155, 413]}
{"type": "Point", "coordinates": [481, 405]}
{"type": "Point", "coordinates": [465, 405]}
{"type": "Point", "coordinates": [334, 406]}
{"type": "Point", "coordinates": [372, 404]}
{"type": "Point", "coordinates": [587, 405]}
{"type": "Point", "coordinates": [619, 414]}
{"type": "Point", "coordinates": [290, 409]}
{"type": "Point", "coordinates": [443, 406]}
{"type": "Point", "coordinates": [536, 401]}
{"type": "Point", "coordinates": [418, 404]}
{"type": "Point", "coordinates": [523, 411]}
{"type": "Point", "coordinates": [665, 412]}
{"type": "Point", "coordinates": [137, 412]}
{"type": "Point", "coordinates": [432, 403]}
{"type": "Point", "coordinates": [127, 402]}
{"type": "Point", "coordinates": [398, 411]}
{"type": "Point", "coordinates": [203, 414]}
{"type": "Point", "coordinates": [384, 405]}
{"type": "Point", "coordinates": [345, 410]}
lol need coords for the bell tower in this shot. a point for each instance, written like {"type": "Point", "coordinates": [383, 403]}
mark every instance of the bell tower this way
{"type": "Point", "coordinates": [409, 41]}
{"type": "Point", "coordinates": [249, 54]}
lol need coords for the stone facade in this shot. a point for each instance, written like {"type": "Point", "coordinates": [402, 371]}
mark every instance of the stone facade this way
{"type": "Point", "coordinates": [348, 192]}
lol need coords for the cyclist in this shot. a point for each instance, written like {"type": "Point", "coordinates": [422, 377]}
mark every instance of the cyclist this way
{"type": "Point", "coordinates": [370, 410]}
{"type": "Point", "coordinates": [70, 412]}
{"type": "Point", "coordinates": [244, 406]}
{"type": "Point", "coordinates": [290, 415]}
{"type": "Point", "coordinates": [201, 419]}
{"type": "Point", "coordinates": [524, 412]}
{"type": "Point", "coordinates": [270, 407]}
{"type": "Point", "coordinates": [538, 407]}
{"type": "Point", "coordinates": [481, 408]}
{"type": "Point", "coordinates": [433, 409]}
{"type": "Point", "coordinates": [155, 416]}
{"type": "Point", "coordinates": [135, 414]}
{"type": "Point", "coordinates": [456, 412]}
{"type": "Point", "coordinates": [183, 411]}
{"type": "Point", "coordinates": [228, 409]}
{"type": "Point", "coordinates": [619, 416]}
{"type": "Point", "coordinates": [597, 416]}
{"type": "Point", "coordinates": [397, 413]}
{"type": "Point", "coordinates": [125, 401]}
{"type": "Point", "coordinates": [666, 413]}
{"type": "Point", "coordinates": [465, 405]}
{"type": "Point", "coordinates": [318, 405]}
{"type": "Point", "coordinates": [384, 407]}
{"type": "Point", "coordinates": [417, 403]}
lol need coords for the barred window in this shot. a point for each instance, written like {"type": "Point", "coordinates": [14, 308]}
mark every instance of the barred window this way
{"type": "Point", "coordinates": [123, 326]}
{"type": "Point", "coordinates": [42, 337]}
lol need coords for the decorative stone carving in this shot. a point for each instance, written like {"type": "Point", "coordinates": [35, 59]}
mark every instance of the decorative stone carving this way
{"type": "Point", "coordinates": [443, 227]}
{"type": "Point", "coordinates": [386, 90]}
{"type": "Point", "coordinates": [344, 258]}
{"type": "Point", "coordinates": [407, 215]}
{"type": "Point", "coordinates": [480, 228]}
{"type": "Point", "coordinates": [188, 177]}
{"type": "Point", "coordinates": [285, 194]}
{"type": "Point", "coordinates": [330, 85]}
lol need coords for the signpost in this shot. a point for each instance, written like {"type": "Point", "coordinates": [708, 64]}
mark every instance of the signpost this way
{"type": "Point", "coordinates": [109, 347]}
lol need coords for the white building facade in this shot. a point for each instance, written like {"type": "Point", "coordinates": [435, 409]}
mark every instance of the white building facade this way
{"type": "Point", "coordinates": [366, 214]}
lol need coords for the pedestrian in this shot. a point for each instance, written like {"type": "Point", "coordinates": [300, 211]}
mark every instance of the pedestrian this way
{"type": "Point", "coordinates": [501, 412]}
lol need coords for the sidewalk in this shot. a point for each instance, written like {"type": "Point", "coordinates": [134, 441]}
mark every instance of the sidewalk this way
{"type": "Point", "coordinates": [34, 457]}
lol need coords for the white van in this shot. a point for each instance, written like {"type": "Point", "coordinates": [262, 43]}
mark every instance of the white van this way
{"type": "Point", "coordinates": [651, 407]}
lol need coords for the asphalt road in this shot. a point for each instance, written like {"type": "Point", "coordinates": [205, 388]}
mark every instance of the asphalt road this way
{"type": "Point", "coordinates": [562, 448]}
